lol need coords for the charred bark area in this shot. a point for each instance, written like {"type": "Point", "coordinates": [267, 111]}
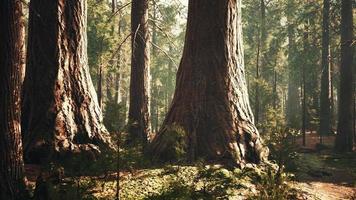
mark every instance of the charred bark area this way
{"type": "Point", "coordinates": [344, 137]}
{"type": "Point", "coordinates": [211, 102]}
{"type": "Point", "coordinates": [61, 113]}
{"type": "Point", "coordinates": [139, 113]}
{"type": "Point", "coordinates": [12, 40]}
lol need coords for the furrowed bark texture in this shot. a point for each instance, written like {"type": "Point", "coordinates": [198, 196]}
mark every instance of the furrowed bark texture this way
{"type": "Point", "coordinates": [61, 111]}
{"type": "Point", "coordinates": [139, 113]}
{"type": "Point", "coordinates": [211, 100]}
{"type": "Point", "coordinates": [344, 137]}
{"type": "Point", "coordinates": [325, 92]}
{"type": "Point", "coordinates": [12, 40]}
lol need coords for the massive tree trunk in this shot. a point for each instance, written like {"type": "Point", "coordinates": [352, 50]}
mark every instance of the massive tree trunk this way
{"type": "Point", "coordinates": [139, 113]}
{"type": "Point", "coordinates": [210, 116]}
{"type": "Point", "coordinates": [325, 92]}
{"type": "Point", "coordinates": [344, 138]}
{"type": "Point", "coordinates": [12, 40]}
{"type": "Point", "coordinates": [60, 109]}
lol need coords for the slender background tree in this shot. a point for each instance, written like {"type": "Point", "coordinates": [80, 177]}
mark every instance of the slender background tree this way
{"type": "Point", "coordinates": [325, 93]}
{"type": "Point", "coordinates": [139, 113]}
{"type": "Point", "coordinates": [344, 137]}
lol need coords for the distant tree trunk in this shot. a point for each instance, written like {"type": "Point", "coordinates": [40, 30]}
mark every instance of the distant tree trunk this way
{"type": "Point", "coordinates": [113, 6]}
{"type": "Point", "coordinates": [118, 76]}
{"type": "Point", "coordinates": [303, 85]}
{"type": "Point", "coordinates": [275, 82]}
{"type": "Point", "coordinates": [344, 137]}
{"type": "Point", "coordinates": [257, 89]}
{"type": "Point", "coordinates": [155, 88]}
{"type": "Point", "coordinates": [210, 116]}
{"type": "Point", "coordinates": [293, 103]}
{"type": "Point", "coordinates": [60, 109]}
{"type": "Point", "coordinates": [325, 96]}
{"type": "Point", "coordinates": [109, 96]}
{"type": "Point", "coordinates": [260, 58]}
{"type": "Point", "coordinates": [171, 73]}
{"type": "Point", "coordinates": [139, 113]}
{"type": "Point", "coordinates": [12, 60]}
{"type": "Point", "coordinates": [332, 95]}
{"type": "Point", "coordinates": [100, 83]}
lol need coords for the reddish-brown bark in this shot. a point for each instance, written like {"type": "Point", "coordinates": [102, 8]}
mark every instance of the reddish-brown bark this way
{"type": "Point", "coordinates": [344, 138]}
{"type": "Point", "coordinates": [12, 43]}
{"type": "Point", "coordinates": [139, 113]}
{"type": "Point", "coordinates": [211, 102]}
{"type": "Point", "coordinates": [61, 111]}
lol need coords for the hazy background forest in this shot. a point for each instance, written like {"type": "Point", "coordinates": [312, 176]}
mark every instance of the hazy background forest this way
{"type": "Point", "coordinates": [267, 27]}
{"type": "Point", "coordinates": [112, 124]}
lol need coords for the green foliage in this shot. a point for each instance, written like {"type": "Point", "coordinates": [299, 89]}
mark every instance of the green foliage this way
{"type": "Point", "coordinates": [101, 35]}
{"type": "Point", "coordinates": [272, 184]}
{"type": "Point", "coordinates": [280, 139]}
{"type": "Point", "coordinates": [114, 116]}
{"type": "Point", "coordinates": [218, 182]}
{"type": "Point", "coordinates": [168, 28]}
{"type": "Point", "coordinates": [133, 158]}
{"type": "Point", "coordinates": [175, 138]}
{"type": "Point", "coordinates": [210, 182]}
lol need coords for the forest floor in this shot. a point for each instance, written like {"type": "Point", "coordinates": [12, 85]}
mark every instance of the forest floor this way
{"type": "Point", "coordinates": [318, 174]}
{"type": "Point", "coordinates": [323, 174]}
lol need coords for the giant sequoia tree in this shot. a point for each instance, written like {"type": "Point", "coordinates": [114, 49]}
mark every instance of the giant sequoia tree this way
{"type": "Point", "coordinates": [12, 40]}
{"type": "Point", "coordinates": [60, 108]}
{"type": "Point", "coordinates": [139, 113]}
{"type": "Point", "coordinates": [344, 137]}
{"type": "Point", "coordinates": [210, 115]}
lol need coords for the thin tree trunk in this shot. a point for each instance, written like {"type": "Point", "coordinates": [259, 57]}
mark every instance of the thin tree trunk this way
{"type": "Point", "coordinates": [332, 95]}
{"type": "Point", "coordinates": [303, 86]}
{"type": "Point", "coordinates": [344, 138]}
{"type": "Point", "coordinates": [257, 91]}
{"type": "Point", "coordinates": [139, 113]}
{"type": "Point", "coordinates": [275, 94]}
{"type": "Point", "coordinates": [305, 66]}
{"type": "Point", "coordinates": [118, 76]}
{"type": "Point", "coordinates": [100, 84]}
{"type": "Point", "coordinates": [293, 103]}
{"type": "Point", "coordinates": [262, 34]}
{"type": "Point", "coordinates": [155, 88]}
{"type": "Point", "coordinates": [60, 110]}
{"type": "Point", "coordinates": [113, 6]}
{"type": "Point", "coordinates": [325, 97]}
{"type": "Point", "coordinates": [109, 84]}
{"type": "Point", "coordinates": [12, 63]}
{"type": "Point", "coordinates": [210, 116]}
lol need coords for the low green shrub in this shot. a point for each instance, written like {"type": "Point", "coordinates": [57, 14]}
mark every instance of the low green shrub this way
{"type": "Point", "coordinates": [272, 183]}
{"type": "Point", "coordinates": [280, 139]}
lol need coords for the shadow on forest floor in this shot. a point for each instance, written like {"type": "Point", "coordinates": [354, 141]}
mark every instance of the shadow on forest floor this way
{"type": "Point", "coordinates": [322, 172]}
{"type": "Point", "coordinates": [319, 174]}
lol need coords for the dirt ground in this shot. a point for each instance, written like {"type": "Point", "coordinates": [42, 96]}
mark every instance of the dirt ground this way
{"type": "Point", "coordinates": [325, 175]}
